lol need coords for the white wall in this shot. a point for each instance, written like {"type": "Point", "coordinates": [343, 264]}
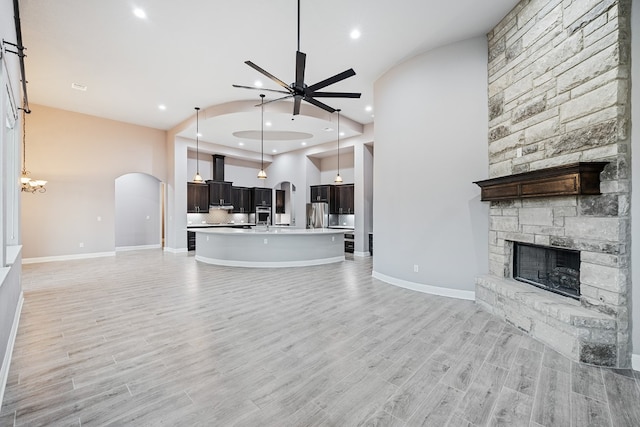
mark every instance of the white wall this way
{"type": "Point", "coordinates": [81, 156]}
{"type": "Point", "coordinates": [329, 168]}
{"type": "Point", "coordinates": [430, 145]}
{"type": "Point", "coordinates": [137, 211]}
{"type": "Point", "coordinates": [635, 185]}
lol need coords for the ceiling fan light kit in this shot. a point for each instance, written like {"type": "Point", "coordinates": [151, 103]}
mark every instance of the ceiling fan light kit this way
{"type": "Point", "coordinates": [299, 90]}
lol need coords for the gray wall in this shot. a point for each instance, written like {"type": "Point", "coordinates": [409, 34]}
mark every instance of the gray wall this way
{"type": "Point", "coordinates": [137, 211]}
{"type": "Point", "coordinates": [10, 272]}
{"type": "Point", "coordinates": [635, 195]}
{"type": "Point", "coordinates": [430, 145]}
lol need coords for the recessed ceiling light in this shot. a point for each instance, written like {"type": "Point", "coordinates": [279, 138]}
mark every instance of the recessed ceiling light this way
{"type": "Point", "coordinates": [257, 83]}
{"type": "Point", "coordinates": [341, 133]}
{"type": "Point", "coordinates": [199, 134]}
{"type": "Point", "coordinates": [355, 34]}
{"type": "Point", "coordinates": [267, 123]}
{"type": "Point", "coordinates": [241, 143]}
{"type": "Point", "coordinates": [140, 13]}
{"type": "Point", "coordinates": [78, 86]}
{"type": "Point", "coordinates": [368, 108]}
{"type": "Point", "coordinates": [303, 143]}
{"type": "Point", "coordinates": [162, 107]}
{"type": "Point", "coordinates": [274, 151]}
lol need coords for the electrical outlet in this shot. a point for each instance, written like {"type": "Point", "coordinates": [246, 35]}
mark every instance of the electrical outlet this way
{"type": "Point", "coordinates": [99, 218]}
{"type": "Point", "coordinates": [265, 241]}
{"type": "Point", "coordinates": [81, 245]}
{"type": "Point", "coordinates": [207, 238]}
{"type": "Point", "coordinates": [148, 217]}
{"type": "Point", "coordinates": [519, 152]}
{"type": "Point", "coordinates": [333, 238]}
{"type": "Point", "coordinates": [415, 268]}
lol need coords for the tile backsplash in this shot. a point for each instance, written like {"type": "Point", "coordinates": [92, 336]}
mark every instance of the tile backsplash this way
{"type": "Point", "coordinates": [218, 216]}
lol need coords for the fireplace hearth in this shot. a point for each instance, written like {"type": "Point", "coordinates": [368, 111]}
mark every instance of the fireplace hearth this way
{"type": "Point", "coordinates": [555, 270]}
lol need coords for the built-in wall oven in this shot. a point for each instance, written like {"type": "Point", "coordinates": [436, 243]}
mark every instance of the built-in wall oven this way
{"type": "Point", "coordinates": [263, 216]}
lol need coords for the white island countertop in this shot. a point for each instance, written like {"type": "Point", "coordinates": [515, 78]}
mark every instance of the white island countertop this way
{"type": "Point", "coordinates": [272, 247]}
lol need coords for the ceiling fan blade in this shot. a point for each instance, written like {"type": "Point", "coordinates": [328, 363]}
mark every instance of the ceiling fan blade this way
{"type": "Point", "coordinates": [319, 104]}
{"type": "Point", "coordinates": [274, 100]}
{"type": "Point", "coordinates": [259, 88]}
{"type": "Point", "coordinates": [331, 80]}
{"type": "Point", "coordinates": [301, 59]}
{"type": "Point", "coordinates": [334, 95]}
{"type": "Point", "coordinates": [268, 74]}
{"type": "Point", "coordinates": [296, 105]}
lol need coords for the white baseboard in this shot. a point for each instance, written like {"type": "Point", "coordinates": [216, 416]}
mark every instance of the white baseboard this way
{"type": "Point", "coordinates": [67, 257]}
{"type": "Point", "coordinates": [427, 289]}
{"type": "Point", "coordinates": [137, 248]}
{"type": "Point", "coordinates": [635, 362]}
{"type": "Point", "coordinates": [361, 254]}
{"type": "Point", "coordinates": [6, 361]}
{"type": "Point", "coordinates": [176, 251]}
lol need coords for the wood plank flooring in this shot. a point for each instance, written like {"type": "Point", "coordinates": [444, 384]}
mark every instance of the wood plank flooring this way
{"type": "Point", "coordinates": [147, 338]}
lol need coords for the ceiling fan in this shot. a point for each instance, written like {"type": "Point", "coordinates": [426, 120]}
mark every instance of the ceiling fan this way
{"type": "Point", "coordinates": [299, 90]}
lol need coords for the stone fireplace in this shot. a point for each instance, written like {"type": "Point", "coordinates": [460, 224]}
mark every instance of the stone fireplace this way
{"type": "Point", "coordinates": [558, 95]}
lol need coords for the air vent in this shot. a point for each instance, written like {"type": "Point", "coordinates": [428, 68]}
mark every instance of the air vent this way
{"type": "Point", "coordinates": [78, 86]}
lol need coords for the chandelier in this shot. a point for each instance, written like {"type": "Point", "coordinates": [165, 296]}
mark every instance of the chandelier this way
{"type": "Point", "coordinates": [28, 184]}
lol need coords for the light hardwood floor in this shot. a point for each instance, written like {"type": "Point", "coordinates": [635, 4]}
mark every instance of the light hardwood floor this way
{"type": "Point", "coordinates": [147, 338]}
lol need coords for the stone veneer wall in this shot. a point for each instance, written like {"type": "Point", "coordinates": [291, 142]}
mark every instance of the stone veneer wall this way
{"type": "Point", "coordinates": [559, 79]}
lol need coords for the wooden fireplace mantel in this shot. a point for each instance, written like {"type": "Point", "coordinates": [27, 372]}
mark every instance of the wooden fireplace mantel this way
{"type": "Point", "coordinates": [569, 180]}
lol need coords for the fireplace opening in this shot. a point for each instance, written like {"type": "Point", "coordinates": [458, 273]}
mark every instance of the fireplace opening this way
{"type": "Point", "coordinates": [552, 269]}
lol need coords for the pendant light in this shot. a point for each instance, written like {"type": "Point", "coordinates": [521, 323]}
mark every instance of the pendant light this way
{"type": "Point", "coordinates": [198, 177]}
{"type": "Point", "coordinates": [27, 184]}
{"type": "Point", "coordinates": [338, 179]}
{"type": "Point", "coordinates": [262, 174]}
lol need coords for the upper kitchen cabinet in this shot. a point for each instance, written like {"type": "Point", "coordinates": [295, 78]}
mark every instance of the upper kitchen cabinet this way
{"type": "Point", "coordinates": [197, 197]}
{"type": "Point", "coordinates": [262, 197]}
{"type": "Point", "coordinates": [322, 193]}
{"type": "Point", "coordinates": [343, 202]}
{"type": "Point", "coordinates": [219, 193]}
{"type": "Point", "coordinates": [242, 200]}
{"type": "Point", "coordinates": [280, 201]}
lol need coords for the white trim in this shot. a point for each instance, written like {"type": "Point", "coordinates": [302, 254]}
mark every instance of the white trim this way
{"type": "Point", "coordinates": [361, 254]}
{"type": "Point", "coordinates": [635, 362]}
{"type": "Point", "coordinates": [6, 362]}
{"type": "Point", "coordinates": [67, 257]}
{"type": "Point", "coordinates": [176, 251]}
{"type": "Point", "coordinates": [137, 248]}
{"type": "Point", "coordinates": [269, 264]}
{"type": "Point", "coordinates": [427, 289]}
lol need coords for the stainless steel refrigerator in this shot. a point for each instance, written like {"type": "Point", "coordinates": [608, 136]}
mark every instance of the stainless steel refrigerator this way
{"type": "Point", "coordinates": [317, 215]}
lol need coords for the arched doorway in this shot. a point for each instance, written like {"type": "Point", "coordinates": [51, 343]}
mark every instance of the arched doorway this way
{"type": "Point", "coordinates": [288, 215]}
{"type": "Point", "coordinates": [139, 211]}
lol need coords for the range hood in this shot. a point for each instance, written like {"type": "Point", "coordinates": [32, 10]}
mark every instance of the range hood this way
{"type": "Point", "coordinates": [217, 169]}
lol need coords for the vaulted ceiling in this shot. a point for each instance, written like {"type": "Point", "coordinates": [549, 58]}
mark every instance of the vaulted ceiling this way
{"type": "Point", "coordinates": [97, 57]}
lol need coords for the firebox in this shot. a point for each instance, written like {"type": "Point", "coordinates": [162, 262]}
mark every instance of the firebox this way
{"type": "Point", "coordinates": [553, 269]}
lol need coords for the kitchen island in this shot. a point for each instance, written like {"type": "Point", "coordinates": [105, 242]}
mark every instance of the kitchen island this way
{"type": "Point", "coordinates": [272, 247]}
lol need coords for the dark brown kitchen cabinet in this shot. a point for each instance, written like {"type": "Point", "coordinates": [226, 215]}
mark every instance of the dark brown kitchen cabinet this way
{"type": "Point", "coordinates": [262, 197]}
{"type": "Point", "coordinates": [343, 201]}
{"type": "Point", "coordinates": [197, 197]}
{"type": "Point", "coordinates": [241, 198]}
{"type": "Point", "coordinates": [322, 193]}
{"type": "Point", "coordinates": [219, 193]}
{"type": "Point", "coordinates": [280, 201]}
